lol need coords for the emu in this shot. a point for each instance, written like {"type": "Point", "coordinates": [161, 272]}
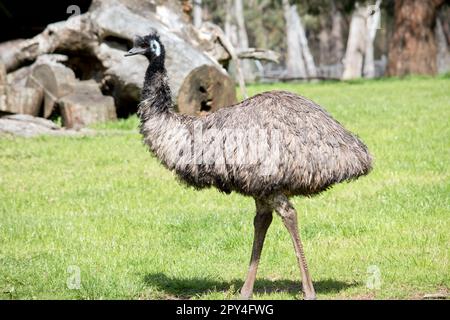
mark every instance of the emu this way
{"type": "Point", "coordinates": [286, 146]}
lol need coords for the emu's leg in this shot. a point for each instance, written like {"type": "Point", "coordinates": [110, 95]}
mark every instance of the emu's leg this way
{"type": "Point", "coordinates": [261, 222]}
{"type": "Point", "coordinates": [287, 212]}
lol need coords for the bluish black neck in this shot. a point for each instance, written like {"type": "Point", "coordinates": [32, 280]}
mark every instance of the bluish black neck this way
{"type": "Point", "coordinates": [156, 95]}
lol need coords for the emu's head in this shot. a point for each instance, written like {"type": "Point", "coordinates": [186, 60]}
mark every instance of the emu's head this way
{"type": "Point", "coordinates": [149, 46]}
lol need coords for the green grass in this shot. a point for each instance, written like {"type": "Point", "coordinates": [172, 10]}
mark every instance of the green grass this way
{"type": "Point", "coordinates": [105, 206]}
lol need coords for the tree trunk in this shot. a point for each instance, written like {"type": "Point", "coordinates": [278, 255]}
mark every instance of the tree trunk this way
{"type": "Point", "coordinates": [307, 56]}
{"type": "Point", "coordinates": [443, 55]}
{"type": "Point", "coordinates": [337, 41]}
{"type": "Point", "coordinates": [413, 45]}
{"type": "Point", "coordinates": [259, 32]}
{"type": "Point", "coordinates": [55, 80]}
{"type": "Point", "coordinates": [242, 39]}
{"type": "Point", "coordinates": [331, 42]}
{"type": "Point", "coordinates": [230, 27]}
{"type": "Point", "coordinates": [359, 55]}
{"type": "Point", "coordinates": [197, 13]}
{"type": "Point", "coordinates": [294, 60]}
{"type": "Point", "coordinates": [356, 45]}
{"type": "Point", "coordinates": [226, 43]}
{"type": "Point", "coordinates": [372, 24]}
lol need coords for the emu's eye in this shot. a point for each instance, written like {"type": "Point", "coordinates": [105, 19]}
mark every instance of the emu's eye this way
{"type": "Point", "coordinates": [155, 47]}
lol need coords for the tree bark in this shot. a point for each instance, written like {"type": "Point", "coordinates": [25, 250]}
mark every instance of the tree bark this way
{"type": "Point", "coordinates": [359, 55]}
{"type": "Point", "coordinates": [413, 45]}
{"type": "Point", "coordinates": [337, 41]}
{"type": "Point", "coordinates": [331, 41]}
{"type": "Point", "coordinates": [3, 77]}
{"type": "Point", "coordinates": [14, 99]}
{"type": "Point", "coordinates": [372, 24]}
{"type": "Point", "coordinates": [230, 27]}
{"type": "Point", "coordinates": [356, 45]}
{"type": "Point", "coordinates": [55, 80]}
{"type": "Point", "coordinates": [242, 44]}
{"type": "Point", "coordinates": [443, 54]}
{"type": "Point", "coordinates": [86, 105]}
{"type": "Point", "coordinates": [197, 13]}
{"type": "Point", "coordinates": [307, 56]}
{"type": "Point", "coordinates": [295, 63]}
{"type": "Point", "coordinates": [204, 91]}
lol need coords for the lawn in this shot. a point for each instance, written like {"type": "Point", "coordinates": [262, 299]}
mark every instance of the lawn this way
{"type": "Point", "coordinates": [103, 208]}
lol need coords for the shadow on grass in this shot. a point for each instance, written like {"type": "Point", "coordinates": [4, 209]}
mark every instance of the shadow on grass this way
{"type": "Point", "coordinates": [187, 288]}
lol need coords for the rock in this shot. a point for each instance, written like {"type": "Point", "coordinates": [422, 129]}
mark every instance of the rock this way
{"type": "Point", "coordinates": [55, 80]}
{"type": "Point", "coordinates": [86, 105]}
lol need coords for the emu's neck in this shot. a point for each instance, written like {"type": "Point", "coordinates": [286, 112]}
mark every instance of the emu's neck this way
{"type": "Point", "coordinates": [156, 95]}
{"type": "Point", "coordinates": [159, 123]}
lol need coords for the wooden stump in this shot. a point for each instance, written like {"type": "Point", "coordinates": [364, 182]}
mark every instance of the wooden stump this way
{"type": "Point", "coordinates": [22, 100]}
{"type": "Point", "coordinates": [55, 79]}
{"type": "Point", "coordinates": [2, 74]}
{"type": "Point", "coordinates": [103, 35]}
{"type": "Point", "coordinates": [17, 99]}
{"type": "Point", "coordinates": [205, 90]}
{"type": "Point", "coordinates": [3, 97]}
{"type": "Point", "coordinates": [86, 105]}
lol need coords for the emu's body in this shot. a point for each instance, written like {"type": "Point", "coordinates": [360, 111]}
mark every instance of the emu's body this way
{"type": "Point", "coordinates": [272, 146]}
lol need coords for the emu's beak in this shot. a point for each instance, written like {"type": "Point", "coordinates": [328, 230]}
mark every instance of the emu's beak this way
{"type": "Point", "coordinates": [135, 51]}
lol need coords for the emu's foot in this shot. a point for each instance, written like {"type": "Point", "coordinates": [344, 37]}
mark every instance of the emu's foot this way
{"type": "Point", "coordinates": [246, 295]}
{"type": "Point", "coordinates": [309, 295]}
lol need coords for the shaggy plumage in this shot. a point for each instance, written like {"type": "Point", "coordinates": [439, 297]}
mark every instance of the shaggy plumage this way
{"type": "Point", "coordinates": [271, 146]}
{"type": "Point", "coordinates": [310, 151]}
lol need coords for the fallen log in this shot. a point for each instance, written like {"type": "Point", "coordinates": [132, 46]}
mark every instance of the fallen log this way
{"type": "Point", "coordinates": [86, 105]}
{"type": "Point", "coordinates": [8, 52]}
{"type": "Point", "coordinates": [3, 81]}
{"type": "Point", "coordinates": [74, 35]}
{"type": "Point", "coordinates": [16, 98]}
{"type": "Point", "coordinates": [29, 126]}
{"type": "Point", "coordinates": [26, 126]}
{"type": "Point", "coordinates": [259, 54]}
{"type": "Point", "coordinates": [20, 76]}
{"type": "Point", "coordinates": [3, 77]}
{"type": "Point", "coordinates": [54, 80]}
{"type": "Point", "coordinates": [21, 100]}
{"type": "Point", "coordinates": [205, 90]}
{"type": "Point", "coordinates": [105, 33]}
{"type": "Point", "coordinates": [183, 60]}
